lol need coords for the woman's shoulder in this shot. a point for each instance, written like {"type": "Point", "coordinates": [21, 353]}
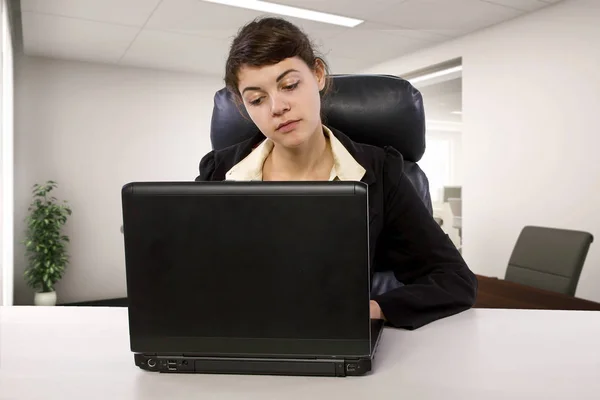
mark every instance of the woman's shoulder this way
{"type": "Point", "coordinates": [214, 165]}
{"type": "Point", "coordinates": [393, 171]}
{"type": "Point", "coordinates": [380, 161]}
{"type": "Point", "coordinates": [387, 168]}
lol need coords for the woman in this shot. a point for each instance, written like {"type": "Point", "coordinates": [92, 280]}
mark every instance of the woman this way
{"type": "Point", "coordinates": [273, 72]}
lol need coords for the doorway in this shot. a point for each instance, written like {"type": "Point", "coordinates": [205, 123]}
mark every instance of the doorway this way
{"type": "Point", "coordinates": [441, 88]}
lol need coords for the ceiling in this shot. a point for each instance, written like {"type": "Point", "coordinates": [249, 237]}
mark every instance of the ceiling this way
{"type": "Point", "coordinates": [193, 36]}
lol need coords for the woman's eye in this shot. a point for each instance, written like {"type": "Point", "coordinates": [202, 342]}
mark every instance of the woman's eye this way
{"type": "Point", "coordinates": [292, 86]}
{"type": "Point", "coordinates": [256, 101]}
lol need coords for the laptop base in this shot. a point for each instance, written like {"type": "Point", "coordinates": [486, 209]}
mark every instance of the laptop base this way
{"type": "Point", "coordinates": [253, 366]}
{"type": "Point", "coordinates": [335, 367]}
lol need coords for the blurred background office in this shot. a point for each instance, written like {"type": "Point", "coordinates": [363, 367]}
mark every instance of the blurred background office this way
{"type": "Point", "coordinates": [111, 91]}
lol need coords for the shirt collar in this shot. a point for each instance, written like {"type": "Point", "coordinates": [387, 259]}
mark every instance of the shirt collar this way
{"type": "Point", "coordinates": [345, 167]}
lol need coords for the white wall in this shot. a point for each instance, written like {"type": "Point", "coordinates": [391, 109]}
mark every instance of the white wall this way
{"type": "Point", "coordinates": [93, 128]}
{"type": "Point", "coordinates": [531, 131]}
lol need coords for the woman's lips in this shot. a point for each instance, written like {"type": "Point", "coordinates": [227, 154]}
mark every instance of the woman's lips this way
{"type": "Point", "coordinates": [288, 127]}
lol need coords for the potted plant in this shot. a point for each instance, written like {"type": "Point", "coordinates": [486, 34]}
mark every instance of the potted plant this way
{"type": "Point", "coordinates": [46, 247]}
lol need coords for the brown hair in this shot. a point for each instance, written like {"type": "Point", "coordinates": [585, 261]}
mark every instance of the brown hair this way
{"type": "Point", "coordinates": [267, 41]}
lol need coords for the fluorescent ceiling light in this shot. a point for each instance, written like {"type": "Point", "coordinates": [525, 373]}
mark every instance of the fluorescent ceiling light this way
{"type": "Point", "coordinates": [436, 74]}
{"type": "Point", "coordinates": [456, 112]}
{"type": "Point", "coordinates": [273, 8]}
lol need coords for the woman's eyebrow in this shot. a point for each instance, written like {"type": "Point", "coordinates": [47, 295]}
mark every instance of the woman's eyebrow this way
{"type": "Point", "coordinates": [280, 77]}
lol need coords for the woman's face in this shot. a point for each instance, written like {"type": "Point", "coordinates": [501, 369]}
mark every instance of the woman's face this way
{"type": "Point", "coordinates": [283, 99]}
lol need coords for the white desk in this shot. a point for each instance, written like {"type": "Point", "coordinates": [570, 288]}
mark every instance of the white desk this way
{"type": "Point", "coordinates": [83, 353]}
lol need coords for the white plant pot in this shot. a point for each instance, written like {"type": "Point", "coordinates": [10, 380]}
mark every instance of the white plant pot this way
{"type": "Point", "coordinates": [45, 299]}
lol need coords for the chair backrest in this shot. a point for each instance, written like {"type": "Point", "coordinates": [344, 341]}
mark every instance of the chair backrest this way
{"type": "Point", "coordinates": [380, 110]}
{"type": "Point", "coordinates": [549, 258]}
{"type": "Point", "coordinates": [455, 206]}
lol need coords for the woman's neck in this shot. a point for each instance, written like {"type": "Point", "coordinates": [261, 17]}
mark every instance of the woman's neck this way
{"type": "Point", "coordinates": [310, 161]}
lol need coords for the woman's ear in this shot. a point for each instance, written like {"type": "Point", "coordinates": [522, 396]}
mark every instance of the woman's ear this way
{"type": "Point", "coordinates": [320, 73]}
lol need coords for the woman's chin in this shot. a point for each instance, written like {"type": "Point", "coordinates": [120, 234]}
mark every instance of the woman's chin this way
{"type": "Point", "coordinates": [292, 140]}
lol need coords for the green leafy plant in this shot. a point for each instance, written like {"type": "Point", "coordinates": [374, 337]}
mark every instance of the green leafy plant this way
{"type": "Point", "coordinates": [46, 247]}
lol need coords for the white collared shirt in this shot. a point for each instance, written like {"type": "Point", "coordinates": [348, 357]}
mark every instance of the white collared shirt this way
{"type": "Point", "coordinates": [345, 167]}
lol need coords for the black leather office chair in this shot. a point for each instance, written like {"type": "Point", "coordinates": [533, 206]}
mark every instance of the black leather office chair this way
{"type": "Point", "coordinates": [374, 109]}
{"type": "Point", "coordinates": [380, 110]}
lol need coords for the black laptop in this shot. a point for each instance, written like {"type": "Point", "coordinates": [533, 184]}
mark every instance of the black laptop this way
{"type": "Point", "coordinates": [249, 277]}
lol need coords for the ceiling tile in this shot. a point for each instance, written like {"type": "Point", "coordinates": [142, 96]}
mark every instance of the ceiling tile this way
{"type": "Point", "coordinates": [193, 35]}
{"type": "Point", "coordinates": [219, 21]}
{"type": "Point", "coordinates": [125, 12]}
{"type": "Point", "coordinates": [199, 18]}
{"type": "Point", "coordinates": [453, 17]}
{"type": "Point", "coordinates": [344, 65]}
{"type": "Point", "coordinates": [425, 36]}
{"type": "Point", "coordinates": [523, 5]}
{"type": "Point", "coordinates": [179, 52]}
{"type": "Point", "coordinates": [70, 38]}
{"type": "Point", "coordinates": [370, 45]}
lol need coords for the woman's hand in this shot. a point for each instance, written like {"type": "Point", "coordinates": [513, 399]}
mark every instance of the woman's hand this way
{"type": "Point", "coordinates": [376, 310]}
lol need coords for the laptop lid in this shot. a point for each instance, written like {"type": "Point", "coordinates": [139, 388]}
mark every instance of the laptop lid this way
{"type": "Point", "coordinates": [274, 269]}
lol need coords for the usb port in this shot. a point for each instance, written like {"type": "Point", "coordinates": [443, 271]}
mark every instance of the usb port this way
{"type": "Point", "coordinates": [172, 365]}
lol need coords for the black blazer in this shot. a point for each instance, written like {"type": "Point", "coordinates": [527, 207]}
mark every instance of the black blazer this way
{"type": "Point", "coordinates": [404, 237]}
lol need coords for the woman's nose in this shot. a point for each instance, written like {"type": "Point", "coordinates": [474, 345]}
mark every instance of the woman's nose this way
{"type": "Point", "coordinates": [279, 105]}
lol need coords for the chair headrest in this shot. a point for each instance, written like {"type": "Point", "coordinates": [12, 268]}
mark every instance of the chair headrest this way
{"type": "Point", "coordinates": [379, 110]}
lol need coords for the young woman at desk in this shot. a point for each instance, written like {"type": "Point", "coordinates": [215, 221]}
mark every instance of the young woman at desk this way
{"type": "Point", "coordinates": [273, 71]}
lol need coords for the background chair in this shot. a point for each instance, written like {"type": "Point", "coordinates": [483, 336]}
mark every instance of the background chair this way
{"type": "Point", "coordinates": [379, 110]}
{"type": "Point", "coordinates": [549, 258]}
{"type": "Point", "coordinates": [456, 208]}
{"type": "Point", "coordinates": [452, 196]}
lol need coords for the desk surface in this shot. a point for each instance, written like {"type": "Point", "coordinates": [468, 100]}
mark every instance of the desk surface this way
{"type": "Point", "coordinates": [80, 352]}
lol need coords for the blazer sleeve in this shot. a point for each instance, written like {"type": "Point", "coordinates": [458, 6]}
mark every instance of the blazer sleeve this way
{"type": "Point", "coordinates": [206, 167]}
{"type": "Point", "coordinates": [437, 281]}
